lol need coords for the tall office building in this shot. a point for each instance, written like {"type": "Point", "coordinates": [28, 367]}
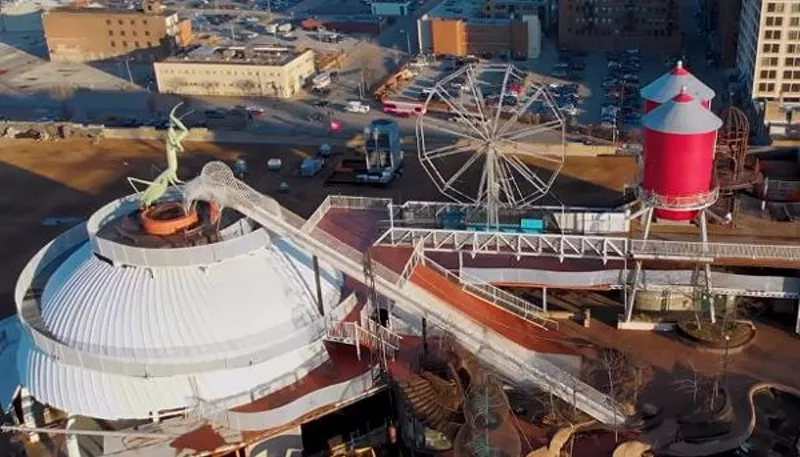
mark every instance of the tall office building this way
{"type": "Point", "coordinates": [768, 55]}
{"type": "Point", "coordinates": [595, 25]}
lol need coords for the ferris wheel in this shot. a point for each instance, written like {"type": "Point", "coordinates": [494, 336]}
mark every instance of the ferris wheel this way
{"type": "Point", "coordinates": [491, 138]}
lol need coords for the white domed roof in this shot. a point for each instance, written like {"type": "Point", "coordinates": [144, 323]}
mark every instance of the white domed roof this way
{"type": "Point", "coordinates": [113, 396]}
{"type": "Point", "coordinates": [182, 312]}
{"type": "Point", "coordinates": [682, 115]}
{"type": "Point", "coordinates": [668, 85]}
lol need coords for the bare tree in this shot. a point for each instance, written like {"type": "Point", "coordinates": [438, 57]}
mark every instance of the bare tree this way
{"type": "Point", "coordinates": [560, 412]}
{"type": "Point", "coordinates": [621, 376]}
{"type": "Point", "coordinates": [369, 60]}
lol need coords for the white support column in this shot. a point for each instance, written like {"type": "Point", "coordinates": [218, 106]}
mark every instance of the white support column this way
{"type": "Point", "coordinates": [797, 319]}
{"type": "Point", "coordinates": [648, 218]}
{"type": "Point", "coordinates": [28, 416]}
{"type": "Point", "coordinates": [391, 222]}
{"type": "Point", "coordinates": [707, 267]}
{"type": "Point", "coordinates": [358, 343]}
{"type": "Point", "coordinates": [73, 447]}
{"type": "Point", "coordinates": [544, 298]}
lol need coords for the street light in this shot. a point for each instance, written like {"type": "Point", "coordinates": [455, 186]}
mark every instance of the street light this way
{"type": "Point", "coordinates": [725, 361]}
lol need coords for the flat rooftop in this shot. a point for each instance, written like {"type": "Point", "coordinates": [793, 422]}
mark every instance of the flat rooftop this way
{"type": "Point", "coordinates": [471, 10]}
{"type": "Point", "coordinates": [107, 11]}
{"type": "Point", "coordinates": [242, 55]}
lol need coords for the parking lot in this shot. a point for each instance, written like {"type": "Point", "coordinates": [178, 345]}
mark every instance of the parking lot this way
{"type": "Point", "coordinates": [339, 7]}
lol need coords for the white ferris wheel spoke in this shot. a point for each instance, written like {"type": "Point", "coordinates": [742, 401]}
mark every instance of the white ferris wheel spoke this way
{"type": "Point", "coordinates": [512, 182]}
{"type": "Point", "coordinates": [525, 150]}
{"type": "Point", "coordinates": [444, 127]}
{"type": "Point", "coordinates": [466, 166]}
{"type": "Point", "coordinates": [448, 150]}
{"type": "Point", "coordinates": [534, 130]}
{"type": "Point", "coordinates": [527, 173]}
{"type": "Point", "coordinates": [521, 109]}
{"type": "Point", "coordinates": [459, 110]}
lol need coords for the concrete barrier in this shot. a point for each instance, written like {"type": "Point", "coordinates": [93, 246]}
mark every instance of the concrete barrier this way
{"type": "Point", "coordinates": [234, 136]}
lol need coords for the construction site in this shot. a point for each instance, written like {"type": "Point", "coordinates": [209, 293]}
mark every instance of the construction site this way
{"type": "Point", "coordinates": [485, 299]}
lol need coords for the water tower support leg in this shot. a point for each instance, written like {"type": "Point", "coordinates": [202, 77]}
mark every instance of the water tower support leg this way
{"type": "Point", "coordinates": [707, 267]}
{"type": "Point", "coordinates": [648, 222]}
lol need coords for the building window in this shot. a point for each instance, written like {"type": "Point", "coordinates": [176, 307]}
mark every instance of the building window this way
{"type": "Point", "coordinates": [149, 44]}
{"type": "Point", "coordinates": [119, 22]}
{"type": "Point", "coordinates": [144, 21]}
{"type": "Point", "coordinates": [794, 21]}
{"type": "Point", "coordinates": [133, 22]}
{"type": "Point", "coordinates": [762, 87]}
{"type": "Point", "coordinates": [121, 33]}
{"type": "Point", "coordinates": [113, 44]}
{"type": "Point", "coordinates": [786, 87]}
{"type": "Point", "coordinates": [787, 74]}
{"type": "Point", "coordinates": [136, 44]}
{"type": "Point", "coordinates": [124, 44]}
{"type": "Point", "coordinates": [146, 33]}
{"type": "Point", "coordinates": [110, 33]}
{"type": "Point", "coordinates": [108, 21]}
{"type": "Point", "coordinates": [772, 35]}
{"type": "Point", "coordinates": [133, 33]}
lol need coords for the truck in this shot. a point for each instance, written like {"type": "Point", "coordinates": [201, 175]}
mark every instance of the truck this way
{"type": "Point", "coordinates": [271, 29]}
{"type": "Point", "coordinates": [284, 28]}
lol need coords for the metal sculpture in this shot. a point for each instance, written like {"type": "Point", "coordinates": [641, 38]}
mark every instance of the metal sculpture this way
{"type": "Point", "coordinates": [156, 189]}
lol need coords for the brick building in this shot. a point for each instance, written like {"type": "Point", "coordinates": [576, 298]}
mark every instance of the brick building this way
{"type": "Point", "coordinates": [91, 34]}
{"type": "Point", "coordinates": [597, 25]}
{"type": "Point", "coordinates": [263, 71]}
{"type": "Point", "coordinates": [509, 28]}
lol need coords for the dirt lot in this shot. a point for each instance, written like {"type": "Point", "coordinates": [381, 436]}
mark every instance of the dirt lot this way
{"type": "Point", "coordinates": [72, 178]}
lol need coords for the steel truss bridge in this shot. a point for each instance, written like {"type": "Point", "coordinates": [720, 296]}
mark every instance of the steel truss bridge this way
{"type": "Point", "coordinates": [415, 225]}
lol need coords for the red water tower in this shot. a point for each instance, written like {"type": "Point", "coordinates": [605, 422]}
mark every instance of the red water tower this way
{"type": "Point", "coordinates": [669, 85]}
{"type": "Point", "coordinates": [680, 139]}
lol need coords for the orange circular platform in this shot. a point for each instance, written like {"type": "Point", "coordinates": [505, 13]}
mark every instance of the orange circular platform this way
{"type": "Point", "coordinates": [168, 218]}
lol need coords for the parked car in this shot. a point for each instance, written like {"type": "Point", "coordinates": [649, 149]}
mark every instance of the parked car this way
{"type": "Point", "coordinates": [569, 110]}
{"type": "Point", "coordinates": [356, 107]}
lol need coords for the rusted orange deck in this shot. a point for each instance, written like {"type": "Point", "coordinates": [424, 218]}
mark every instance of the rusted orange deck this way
{"type": "Point", "coordinates": [512, 327]}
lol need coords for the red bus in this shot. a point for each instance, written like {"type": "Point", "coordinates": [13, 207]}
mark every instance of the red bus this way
{"type": "Point", "coordinates": [404, 108]}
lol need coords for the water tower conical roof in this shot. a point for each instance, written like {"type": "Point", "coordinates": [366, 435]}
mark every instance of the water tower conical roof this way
{"type": "Point", "coordinates": [683, 114]}
{"type": "Point", "coordinates": [669, 84]}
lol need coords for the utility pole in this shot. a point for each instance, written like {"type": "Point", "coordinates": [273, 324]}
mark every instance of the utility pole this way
{"type": "Point", "coordinates": [128, 67]}
{"type": "Point", "coordinates": [361, 84]}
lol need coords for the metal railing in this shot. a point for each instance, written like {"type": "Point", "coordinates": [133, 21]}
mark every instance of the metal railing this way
{"type": "Point", "coordinates": [495, 296]}
{"type": "Point", "coordinates": [683, 203]}
{"type": "Point", "coordinates": [530, 244]}
{"type": "Point", "coordinates": [217, 183]}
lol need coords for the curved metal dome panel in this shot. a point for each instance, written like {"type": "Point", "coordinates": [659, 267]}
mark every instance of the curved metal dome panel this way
{"type": "Point", "coordinates": [183, 312]}
{"type": "Point", "coordinates": [110, 396]}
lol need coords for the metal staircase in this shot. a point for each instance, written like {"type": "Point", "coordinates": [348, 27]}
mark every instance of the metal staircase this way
{"type": "Point", "coordinates": [217, 183]}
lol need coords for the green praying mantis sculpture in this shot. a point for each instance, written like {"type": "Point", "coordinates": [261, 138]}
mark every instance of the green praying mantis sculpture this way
{"type": "Point", "coordinates": [156, 189]}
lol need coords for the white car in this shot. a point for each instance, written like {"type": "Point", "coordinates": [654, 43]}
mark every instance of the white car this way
{"type": "Point", "coordinates": [356, 107]}
{"type": "Point", "coordinates": [569, 110]}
